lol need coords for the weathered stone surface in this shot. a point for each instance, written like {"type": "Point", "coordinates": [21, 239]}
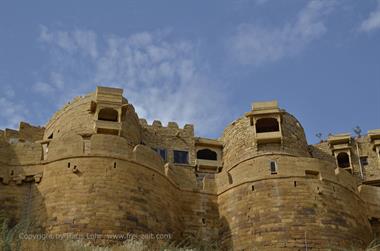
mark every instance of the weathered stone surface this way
{"type": "Point", "coordinates": [84, 173]}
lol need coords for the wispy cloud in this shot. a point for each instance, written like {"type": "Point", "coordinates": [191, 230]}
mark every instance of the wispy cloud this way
{"type": "Point", "coordinates": [83, 41]}
{"type": "Point", "coordinates": [163, 78]}
{"type": "Point", "coordinates": [13, 111]}
{"type": "Point", "coordinates": [54, 85]}
{"type": "Point", "coordinates": [253, 44]}
{"type": "Point", "coordinates": [373, 21]}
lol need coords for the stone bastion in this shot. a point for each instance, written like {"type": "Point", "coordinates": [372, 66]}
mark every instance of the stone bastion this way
{"type": "Point", "coordinates": [97, 168]}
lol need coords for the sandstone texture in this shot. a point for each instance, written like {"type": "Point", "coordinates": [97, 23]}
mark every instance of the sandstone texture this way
{"type": "Point", "coordinates": [97, 168]}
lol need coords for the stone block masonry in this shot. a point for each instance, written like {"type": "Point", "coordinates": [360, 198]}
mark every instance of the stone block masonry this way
{"type": "Point", "coordinates": [96, 168]}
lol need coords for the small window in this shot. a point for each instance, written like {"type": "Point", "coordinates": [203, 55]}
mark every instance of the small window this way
{"type": "Point", "coordinates": [51, 136]}
{"type": "Point", "coordinates": [181, 157]}
{"type": "Point", "coordinates": [343, 160]}
{"type": "Point", "coordinates": [267, 125]}
{"type": "Point", "coordinates": [162, 152]}
{"type": "Point", "coordinates": [311, 173]}
{"type": "Point", "coordinates": [364, 160]}
{"type": "Point", "coordinates": [207, 154]}
{"type": "Point", "coordinates": [230, 180]}
{"type": "Point", "coordinates": [273, 167]}
{"type": "Point", "coordinates": [108, 114]}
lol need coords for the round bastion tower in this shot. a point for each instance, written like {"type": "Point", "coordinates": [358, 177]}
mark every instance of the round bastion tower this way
{"type": "Point", "coordinates": [274, 196]}
{"type": "Point", "coordinates": [97, 176]}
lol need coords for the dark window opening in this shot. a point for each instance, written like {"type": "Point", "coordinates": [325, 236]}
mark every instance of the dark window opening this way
{"type": "Point", "coordinates": [68, 165]}
{"type": "Point", "coordinates": [162, 152]}
{"type": "Point", "coordinates": [51, 136]}
{"type": "Point", "coordinates": [203, 221]}
{"type": "Point", "coordinates": [114, 165]}
{"type": "Point", "coordinates": [108, 114]}
{"type": "Point", "coordinates": [311, 173]}
{"type": "Point", "coordinates": [273, 167]}
{"type": "Point", "coordinates": [230, 180]}
{"type": "Point", "coordinates": [207, 154]}
{"type": "Point", "coordinates": [343, 160]}
{"type": "Point", "coordinates": [267, 125]}
{"type": "Point", "coordinates": [12, 173]}
{"type": "Point", "coordinates": [364, 160]}
{"type": "Point", "coordinates": [295, 183]}
{"type": "Point", "coordinates": [253, 188]}
{"type": "Point", "coordinates": [181, 157]}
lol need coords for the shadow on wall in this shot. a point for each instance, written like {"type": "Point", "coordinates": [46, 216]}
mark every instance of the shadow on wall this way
{"type": "Point", "coordinates": [319, 154]}
{"type": "Point", "coordinates": [19, 174]}
{"type": "Point", "coordinates": [21, 212]}
{"type": "Point", "coordinates": [225, 235]}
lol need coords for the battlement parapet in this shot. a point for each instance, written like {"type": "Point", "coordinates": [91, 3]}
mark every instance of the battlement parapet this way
{"type": "Point", "coordinates": [157, 124]}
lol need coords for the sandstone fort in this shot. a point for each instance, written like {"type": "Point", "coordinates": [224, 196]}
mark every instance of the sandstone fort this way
{"type": "Point", "coordinates": [96, 167]}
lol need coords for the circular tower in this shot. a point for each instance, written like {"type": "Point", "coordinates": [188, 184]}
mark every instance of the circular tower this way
{"type": "Point", "coordinates": [98, 178]}
{"type": "Point", "coordinates": [273, 195]}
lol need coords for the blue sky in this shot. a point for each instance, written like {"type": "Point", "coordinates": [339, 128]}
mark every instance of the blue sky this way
{"type": "Point", "coordinates": [200, 62]}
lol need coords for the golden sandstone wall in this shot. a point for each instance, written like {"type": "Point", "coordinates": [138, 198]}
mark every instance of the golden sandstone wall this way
{"type": "Point", "coordinates": [272, 191]}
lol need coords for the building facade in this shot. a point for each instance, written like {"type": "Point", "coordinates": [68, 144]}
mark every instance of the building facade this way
{"type": "Point", "coordinates": [97, 168]}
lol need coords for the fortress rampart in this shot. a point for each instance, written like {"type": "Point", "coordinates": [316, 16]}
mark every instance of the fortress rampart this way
{"type": "Point", "coordinates": [97, 168]}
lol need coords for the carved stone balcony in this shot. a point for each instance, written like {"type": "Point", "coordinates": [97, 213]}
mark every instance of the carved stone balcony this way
{"type": "Point", "coordinates": [107, 127]}
{"type": "Point", "coordinates": [339, 141]}
{"type": "Point", "coordinates": [208, 166]}
{"type": "Point", "coordinates": [268, 137]}
{"type": "Point", "coordinates": [374, 137]}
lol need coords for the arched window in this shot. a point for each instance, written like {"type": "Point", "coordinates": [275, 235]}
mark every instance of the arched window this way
{"type": "Point", "coordinates": [267, 125]}
{"type": "Point", "coordinates": [343, 160]}
{"type": "Point", "coordinates": [108, 114]}
{"type": "Point", "coordinates": [207, 154]}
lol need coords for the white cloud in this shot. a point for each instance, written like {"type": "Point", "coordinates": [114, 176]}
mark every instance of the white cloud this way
{"type": "Point", "coordinates": [162, 78]}
{"type": "Point", "coordinates": [258, 45]}
{"type": "Point", "coordinates": [373, 21]}
{"type": "Point", "coordinates": [12, 112]}
{"type": "Point", "coordinates": [73, 41]}
{"type": "Point", "coordinates": [43, 88]}
{"type": "Point", "coordinates": [50, 88]}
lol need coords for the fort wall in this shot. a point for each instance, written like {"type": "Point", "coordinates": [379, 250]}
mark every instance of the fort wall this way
{"type": "Point", "coordinates": [305, 197]}
{"type": "Point", "coordinates": [260, 185]}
